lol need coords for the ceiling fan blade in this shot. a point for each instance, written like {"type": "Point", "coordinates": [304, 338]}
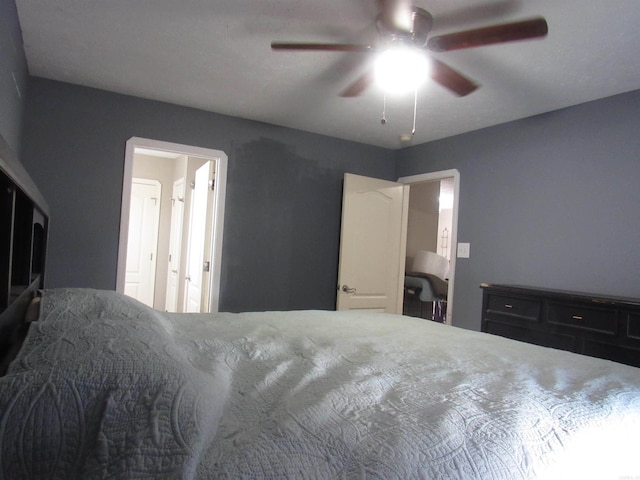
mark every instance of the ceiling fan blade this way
{"type": "Point", "coordinates": [451, 79]}
{"type": "Point", "coordinates": [360, 85]}
{"type": "Point", "coordinates": [325, 47]}
{"type": "Point", "coordinates": [509, 32]}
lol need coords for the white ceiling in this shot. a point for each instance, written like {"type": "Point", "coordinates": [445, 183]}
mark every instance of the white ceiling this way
{"type": "Point", "coordinates": [215, 55]}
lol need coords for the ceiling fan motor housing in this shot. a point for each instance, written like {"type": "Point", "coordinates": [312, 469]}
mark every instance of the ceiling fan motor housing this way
{"type": "Point", "coordinates": [413, 32]}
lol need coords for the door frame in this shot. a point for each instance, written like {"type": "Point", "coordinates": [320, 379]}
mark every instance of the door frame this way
{"type": "Point", "coordinates": [220, 160]}
{"type": "Point", "coordinates": [436, 176]}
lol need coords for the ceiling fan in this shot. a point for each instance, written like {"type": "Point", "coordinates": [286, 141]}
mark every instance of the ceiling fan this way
{"type": "Point", "coordinates": [406, 27]}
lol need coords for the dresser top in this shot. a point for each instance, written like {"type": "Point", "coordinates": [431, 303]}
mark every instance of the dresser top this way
{"type": "Point", "coordinates": [563, 294]}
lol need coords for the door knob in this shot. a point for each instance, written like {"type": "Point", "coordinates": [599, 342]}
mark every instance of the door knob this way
{"type": "Point", "coordinates": [348, 289]}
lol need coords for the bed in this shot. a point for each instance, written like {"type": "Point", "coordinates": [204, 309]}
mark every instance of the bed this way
{"type": "Point", "coordinates": [98, 385]}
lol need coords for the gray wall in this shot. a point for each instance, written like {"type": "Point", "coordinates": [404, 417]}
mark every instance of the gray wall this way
{"type": "Point", "coordinates": [13, 74]}
{"type": "Point", "coordinates": [549, 201]}
{"type": "Point", "coordinates": [284, 190]}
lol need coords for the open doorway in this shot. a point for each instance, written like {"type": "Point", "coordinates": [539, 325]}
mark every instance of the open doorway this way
{"type": "Point", "coordinates": [181, 259]}
{"type": "Point", "coordinates": [432, 232]}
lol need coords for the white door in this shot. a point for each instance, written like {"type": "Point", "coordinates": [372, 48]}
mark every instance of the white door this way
{"type": "Point", "coordinates": [372, 244]}
{"type": "Point", "coordinates": [197, 230]}
{"type": "Point", "coordinates": [175, 245]}
{"type": "Point", "coordinates": [144, 216]}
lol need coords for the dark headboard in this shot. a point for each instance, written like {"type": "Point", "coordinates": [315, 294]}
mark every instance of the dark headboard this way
{"type": "Point", "coordinates": [24, 221]}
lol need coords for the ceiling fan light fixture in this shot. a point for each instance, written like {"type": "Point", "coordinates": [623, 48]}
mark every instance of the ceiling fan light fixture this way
{"type": "Point", "coordinates": [401, 70]}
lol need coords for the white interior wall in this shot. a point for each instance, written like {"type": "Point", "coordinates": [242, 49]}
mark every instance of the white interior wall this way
{"type": "Point", "coordinates": [422, 227]}
{"type": "Point", "coordinates": [445, 218]}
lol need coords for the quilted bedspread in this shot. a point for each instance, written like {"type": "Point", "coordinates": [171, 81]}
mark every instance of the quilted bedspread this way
{"type": "Point", "coordinates": [105, 387]}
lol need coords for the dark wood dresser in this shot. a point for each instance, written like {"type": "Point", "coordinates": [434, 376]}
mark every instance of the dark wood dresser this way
{"type": "Point", "coordinates": [599, 326]}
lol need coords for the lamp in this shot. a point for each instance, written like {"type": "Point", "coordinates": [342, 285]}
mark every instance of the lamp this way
{"type": "Point", "coordinates": [431, 263]}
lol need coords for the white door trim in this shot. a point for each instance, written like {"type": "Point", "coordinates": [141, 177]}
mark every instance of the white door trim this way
{"type": "Point", "coordinates": [428, 177]}
{"type": "Point", "coordinates": [220, 159]}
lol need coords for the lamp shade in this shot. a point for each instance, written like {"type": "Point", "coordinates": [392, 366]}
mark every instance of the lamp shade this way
{"type": "Point", "coordinates": [431, 263]}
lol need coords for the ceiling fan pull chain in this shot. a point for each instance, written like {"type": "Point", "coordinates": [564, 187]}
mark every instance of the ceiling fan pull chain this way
{"type": "Point", "coordinates": [415, 109]}
{"type": "Point", "coordinates": [383, 121]}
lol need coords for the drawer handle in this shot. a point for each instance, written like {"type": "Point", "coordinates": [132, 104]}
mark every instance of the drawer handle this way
{"type": "Point", "coordinates": [506, 305]}
{"type": "Point", "coordinates": [577, 317]}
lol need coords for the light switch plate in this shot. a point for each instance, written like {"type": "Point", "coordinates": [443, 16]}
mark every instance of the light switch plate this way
{"type": "Point", "coordinates": [464, 250]}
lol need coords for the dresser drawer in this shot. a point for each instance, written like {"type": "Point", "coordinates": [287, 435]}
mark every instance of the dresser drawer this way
{"type": "Point", "coordinates": [582, 317]}
{"type": "Point", "coordinates": [618, 353]}
{"type": "Point", "coordinates": [633, 325]}
{"type": "Point", "coordinates": [537, 337]}
{"type": "Point", "coordinates": [527, 309]}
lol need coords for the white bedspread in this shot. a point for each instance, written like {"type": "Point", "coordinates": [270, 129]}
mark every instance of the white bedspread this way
{"type": "Point", "coordinates": [107, 388]}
